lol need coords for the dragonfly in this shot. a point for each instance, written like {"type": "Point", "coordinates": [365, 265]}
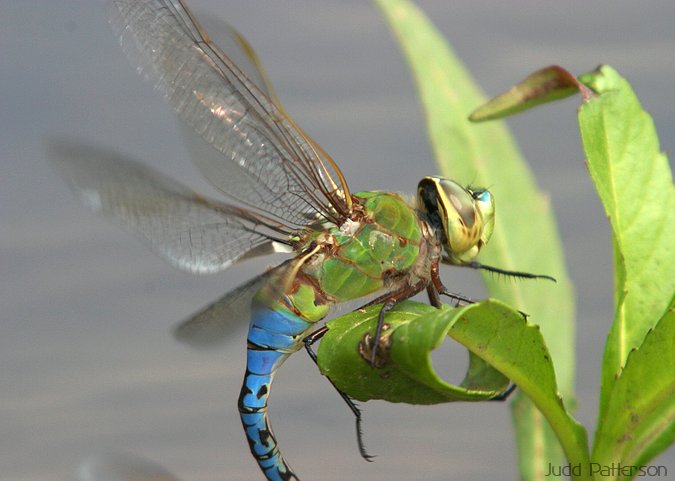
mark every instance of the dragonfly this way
{"type": "Point", "coordinates": [286, 194]}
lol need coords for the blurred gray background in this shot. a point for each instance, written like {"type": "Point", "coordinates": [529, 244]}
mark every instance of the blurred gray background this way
{"type": "Point", "coordinates": [88, 363]}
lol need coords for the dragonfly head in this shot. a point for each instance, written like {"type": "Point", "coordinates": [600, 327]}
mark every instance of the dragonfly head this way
{"type": "Point", "coordinates": [463, 217]}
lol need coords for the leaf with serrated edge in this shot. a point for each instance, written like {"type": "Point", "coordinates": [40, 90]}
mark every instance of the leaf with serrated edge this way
{"type": "Point", "coordinates": [639, 421]}
{"type": "Point", "coordinates": [635, 185]}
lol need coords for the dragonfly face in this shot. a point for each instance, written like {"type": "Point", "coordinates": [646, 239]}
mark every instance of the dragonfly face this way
{"type": "Point", "coordinates": [463, 218]}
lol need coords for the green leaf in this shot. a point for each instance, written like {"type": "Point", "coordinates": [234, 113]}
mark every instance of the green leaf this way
{"type": "Point", "coordinates": [545, 85]}
{"type": "Point", "coordinates": [485, 154]}
{"type": "Point", "coordinates": [639, 421]}
{"type": "Point", "coordinates": [635, 185]}
{"type": "Point", "coordinates": [501, 343]}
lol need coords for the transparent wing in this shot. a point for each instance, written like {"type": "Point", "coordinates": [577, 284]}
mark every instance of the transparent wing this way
{"type": "Point", "coordinates": [229, 42]}
{"type": "Point", "coordinates": [220, 320]}
{"type": "Point", "coordinates": [267, 162]}
{"type": "Point", "coordinates": [242, 54]}
{"type": "Point", "coordinates": [193, 233]}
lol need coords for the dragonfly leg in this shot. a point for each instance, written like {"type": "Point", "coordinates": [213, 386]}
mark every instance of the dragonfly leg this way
{"type": "Point", "coordinates": [458, 298]}
{"type": "Point", "coordinates": [496, 270]}
{"type": "Point", "coordinates": [386, 307]}
{"type": "Point", "coordinates": [439, 289]}
{"type": "Point", "coordinates": [434, 296]}
{"type": "Point", "coordinates": [388, 302]}
{"type": "Point", "coordinates": [442, 290]}
{"type": "Point", "coordinates": [308, 341]}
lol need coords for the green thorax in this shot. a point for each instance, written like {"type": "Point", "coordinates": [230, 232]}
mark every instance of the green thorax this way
{"type": "Point", "coordinates": [354, 260]}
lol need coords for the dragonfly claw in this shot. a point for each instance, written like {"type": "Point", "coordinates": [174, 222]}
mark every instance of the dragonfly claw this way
{"type": "Point", "coordinates": [359, 440]}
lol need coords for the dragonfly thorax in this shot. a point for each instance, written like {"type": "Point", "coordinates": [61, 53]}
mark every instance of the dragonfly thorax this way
{"type": "Point", "coordinates": [462, 217]}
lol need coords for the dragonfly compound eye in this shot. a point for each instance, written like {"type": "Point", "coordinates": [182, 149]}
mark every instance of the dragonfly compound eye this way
{"type": "Point", "coordinates": [485, 203]}
{"type": "Point", "coordinates": [464, 217]}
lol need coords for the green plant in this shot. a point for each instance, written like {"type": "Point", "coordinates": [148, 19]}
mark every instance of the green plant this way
{"type": "Point", "coordinates": [633, 179]}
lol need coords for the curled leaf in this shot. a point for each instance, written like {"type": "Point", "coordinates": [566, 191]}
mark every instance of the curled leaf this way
{"type": "Point", "coordinates": [545, 85]}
